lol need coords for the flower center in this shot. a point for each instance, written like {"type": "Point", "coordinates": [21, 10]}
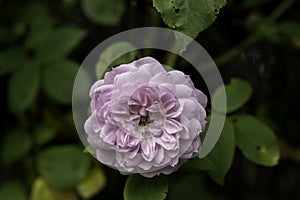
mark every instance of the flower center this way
{"type": "Point", "coordinates": [144, 121]}
{"type": "Point", "coordinates": [143, 126]}
{"type": "Point", "coordinates": [150, 125]}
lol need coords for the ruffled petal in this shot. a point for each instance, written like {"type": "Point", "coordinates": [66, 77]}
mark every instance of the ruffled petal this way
{"type": "Point", "coordinates": [108, 134]}
{"type": "Point", "coordinates": [167, 141]}
{"type": "Point", "coordinates": [95, 86]}
{"type": "Point", "coordinates": [149, 150]}
{"type": "Point", "coordinates": [150, 65]}
{"type": "Point", "coordinates": [145, 120]}
{"type": "Point", "coordinates": [172, 126]}
{"type": "Point", "coordinates": [91, 125]}
{"type": "Point", "coordinates": [110, 76]}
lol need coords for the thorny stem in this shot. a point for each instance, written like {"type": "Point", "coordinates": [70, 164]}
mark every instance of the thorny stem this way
{"type": "Point", "coordinates": [256, 36]}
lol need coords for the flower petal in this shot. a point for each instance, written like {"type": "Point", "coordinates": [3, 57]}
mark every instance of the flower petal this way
{"type": "Point", "coordinates": [91, 125]}
{"type": "Point", "coordinates": [167, 141]}
{"type": "Point", "coordinates": [108, 134]}
{"type": "Point", "coordinates": [145, 120]}
{"type": "Point", "coordinates": [162, 78]}
{"type": "Point", "coordinates": [201, 97]}
{"type": "Point", "coordinates": [192, 150]}
{"type": "Point", "coordinates": [190, 107]}
{"type": "Point", "coordinates": [172, 126]}
{"type": "Point", "coordinates": [159, 156]}
{"type": "Point", "coordinates": [96, 85]}
{"type": "Point", "coordinates": [148, 147]}
{"type": "Point", "coordinates": [183, 91]}
{"type": "Point", "coordinates": [107, 157]}
{"type": "Point", "coordinates": [110, 76]}
{"type": "Point", "coordinates": [150, 65]}
{"type": "Point", "coordinates": [180, 78]}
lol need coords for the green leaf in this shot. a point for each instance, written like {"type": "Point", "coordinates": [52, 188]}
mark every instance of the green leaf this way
{"type": "Point", "coordinates": [59, 79]}
{"type": "Point", "coordinates": [256, 140]}
{"type": "Point", "coordinates": [92, 184]}
{"type": "Point", "coordinates": [219, 160]}
{"type": "Point", "coordinates": [82, 86]}
{"type": "Point", "coordinates": [44, 133]}
{"type": "Point", "coordinates": [51, 44]}
{"type": "Point", "coordinates": [222, 154]}
{"type": "Point", "coordinates": [41, 191]}
{"type": "Point", "coordinates": [10, 59]}
{"type": "Point", "coordinates": [12, 191]}
{"type": "Point", "coordinates": [238, 92]}
{"type": "Point", "coordinates": [63, 167]}
{"type": "Point", "coordinates": [196, 164]}
{"type": "Point", "coordinates": [91, 150]}
{"type": "Point", "coordinates": [138, 187]}
{"type": "Point", "coordinates": [104, 12]}
{"type": "Point", "coordinates": [181, 42]}
{"type": "Point", "coordinates": [190, 16]}
{"type": "Point", "coordinates": [105, 63]}
{"type": "Point", "coordinates": [23, 87]}
{"type": "Point", "coordinates": [16, 145]}
{"type": "Point", "coordinates": [28, 14]}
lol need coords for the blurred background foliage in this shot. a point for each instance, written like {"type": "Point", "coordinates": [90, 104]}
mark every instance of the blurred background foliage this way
{"type": "Point", "coordinates": [42, 44]}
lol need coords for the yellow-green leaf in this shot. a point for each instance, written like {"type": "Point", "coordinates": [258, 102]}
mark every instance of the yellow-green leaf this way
{"type": "Point", "coordinates": [93, 183]}
{"type": "Point", "coordinates": [41, 191]}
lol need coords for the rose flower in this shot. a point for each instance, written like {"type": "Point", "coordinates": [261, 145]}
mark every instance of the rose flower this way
{"type": "Point", "coordinates": [144, 119]}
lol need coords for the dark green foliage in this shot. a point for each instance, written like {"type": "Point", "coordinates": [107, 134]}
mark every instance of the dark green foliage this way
{"type": "Point", "coordinates": [63, 167]}
{"type": "Point", "coordinates": [138, 187]}
{"type": "Point", "coordinates": [255, 44]}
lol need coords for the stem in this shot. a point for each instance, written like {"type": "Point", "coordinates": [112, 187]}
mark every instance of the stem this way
{"type": "Point", "coordinates": [171, 59]}
{"type": "Point", "coordinates": [289, 153]}
{"type": "Point", "coordinates": [256, 36]}
{"type": "Point", "coordinates": [235, 51]}
{"type": "Point", "coordinates": [280, 10]}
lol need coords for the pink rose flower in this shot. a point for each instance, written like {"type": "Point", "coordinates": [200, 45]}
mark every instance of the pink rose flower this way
{"type": "Point", "coordinates": [144, 119]}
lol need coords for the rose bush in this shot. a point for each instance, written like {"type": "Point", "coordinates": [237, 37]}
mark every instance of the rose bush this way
{"type": "Point", "coordinates": [144, 119]}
